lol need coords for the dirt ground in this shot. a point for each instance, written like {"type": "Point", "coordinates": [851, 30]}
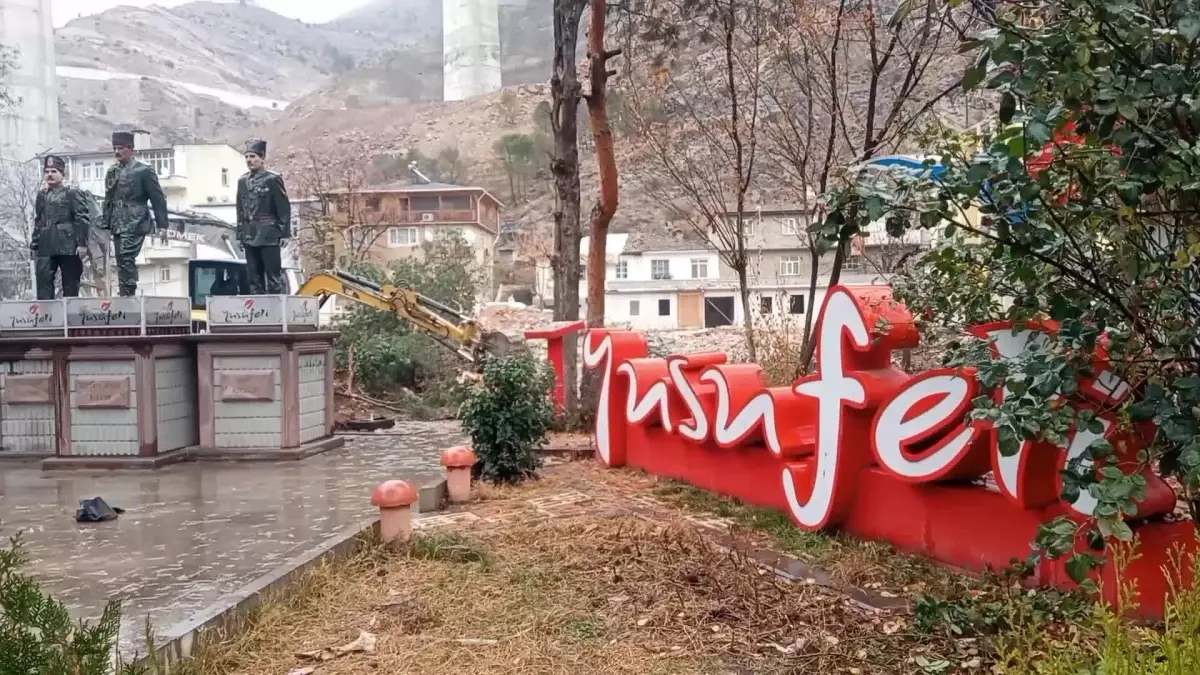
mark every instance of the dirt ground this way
{"type": "Point", "coordinates": [559, 577]}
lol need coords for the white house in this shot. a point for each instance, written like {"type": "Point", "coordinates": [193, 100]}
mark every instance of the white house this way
{"type": "Point", "coordinates": [658, 282]}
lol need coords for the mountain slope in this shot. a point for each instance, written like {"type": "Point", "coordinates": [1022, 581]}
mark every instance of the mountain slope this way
{"type": "Point", "coordinates": [196, 70]}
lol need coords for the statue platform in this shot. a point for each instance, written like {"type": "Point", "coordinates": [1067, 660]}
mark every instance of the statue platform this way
{"type": "Point", "coordinates": [123, 383]}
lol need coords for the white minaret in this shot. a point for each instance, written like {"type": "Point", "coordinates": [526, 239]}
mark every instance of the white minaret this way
{"type": "Point", "coordinates": [31, 125]}
{"type": "Point", "coordinates": [470, 48]}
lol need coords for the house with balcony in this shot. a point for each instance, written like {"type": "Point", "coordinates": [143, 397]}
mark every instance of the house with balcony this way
{"type": "Point", "coordinates": [780, 262]}
{"type": "Point", "coordinates": [387, 223]}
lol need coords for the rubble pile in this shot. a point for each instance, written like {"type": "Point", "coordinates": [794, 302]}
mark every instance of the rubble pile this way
{"type": "Point", "coordinates": [727, 339]}
{"type": "Point", "coordinates": [514, 317]}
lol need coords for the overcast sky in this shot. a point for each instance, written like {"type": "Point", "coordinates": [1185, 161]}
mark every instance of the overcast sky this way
{"type": "Point", "coordinates": [312, 11]}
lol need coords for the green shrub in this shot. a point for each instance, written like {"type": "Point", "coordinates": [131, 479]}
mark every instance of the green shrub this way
{"type": "Point", "coordinates": [508, 417]}
{"type": "Point", "coordinates": [37, 634]}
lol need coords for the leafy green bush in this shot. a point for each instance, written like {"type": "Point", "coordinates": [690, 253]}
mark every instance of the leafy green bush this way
{"type": "Point", "coordinates": [508, 417]}
{"type": "Point", "coordinates": [37, 634]}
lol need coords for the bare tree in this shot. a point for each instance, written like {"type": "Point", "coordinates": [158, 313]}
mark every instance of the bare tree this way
{"type": "Point", "coordinates": [19, 184]}
{"type": "Point", "coordinates": [847, 83]}
{"type": "Point", "coordinates": [565, 94]}
{"type": "Point", "coordinates": [699, 117]}
{"type": "Point", "coordinates": [343, 218]}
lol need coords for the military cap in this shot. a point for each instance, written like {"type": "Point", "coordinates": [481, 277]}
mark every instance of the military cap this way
{"type": "Point", "coordinates": [54, 162]}
{"type": "Point", "coordinates": [258, 147]}
{"type": "Point", "coordinates": [124, 138]}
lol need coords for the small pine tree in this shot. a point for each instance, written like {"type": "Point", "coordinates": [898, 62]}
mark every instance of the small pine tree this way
{"type": "Point", "coordinates": [508, 417]}
{"type": "Point", "coordinates": [37, 634]}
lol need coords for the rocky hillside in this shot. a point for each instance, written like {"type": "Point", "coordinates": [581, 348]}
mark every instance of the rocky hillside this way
{"type": "Point", "coordinates": [218, 71]}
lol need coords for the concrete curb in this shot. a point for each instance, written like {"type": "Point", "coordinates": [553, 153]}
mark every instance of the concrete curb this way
{"type": "Point", "coordinates": [229, 616]}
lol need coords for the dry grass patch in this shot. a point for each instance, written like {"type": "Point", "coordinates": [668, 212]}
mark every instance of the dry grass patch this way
{"type": "Point", "coordinates": [854, 562]}
{"type": "Point", "coordinates": [587, 595]}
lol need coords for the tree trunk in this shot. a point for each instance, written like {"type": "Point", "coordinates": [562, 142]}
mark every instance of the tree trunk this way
{"type": "Point", "coordinates": [839, 257]}
{"type": "Point", "coordinates": [814, 277]}
{"type": "Point", "coordinates": [606, 204]}
{"type": "Point", "coordinates": [565, 93]}
{"type": "Point", "coordinates": [747, 317]}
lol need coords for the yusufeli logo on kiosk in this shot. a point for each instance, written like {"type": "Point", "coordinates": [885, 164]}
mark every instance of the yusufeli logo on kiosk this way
{"type": "Point", "coordinates": [247, 313]}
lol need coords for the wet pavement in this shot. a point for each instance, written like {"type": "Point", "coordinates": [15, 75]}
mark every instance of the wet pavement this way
{"type": "Point", "coordinates": [192, 534]}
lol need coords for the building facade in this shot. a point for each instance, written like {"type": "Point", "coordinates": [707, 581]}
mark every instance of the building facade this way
{"type": "Point", "coordinates": [391, 222]}
{"type": "Point", "coordinates": [780, 262]}
{"type": "Point", "coordinates": [657, 282]}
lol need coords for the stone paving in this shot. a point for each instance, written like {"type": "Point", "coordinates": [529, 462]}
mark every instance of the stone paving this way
{"type": "Point", "coordinates": [193, 534]}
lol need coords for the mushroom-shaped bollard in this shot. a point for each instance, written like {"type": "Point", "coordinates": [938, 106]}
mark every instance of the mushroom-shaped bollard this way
{"type": "Point", "coordinates": [458, 462]}
{"type": "Point", "coordinates": [395, 499]}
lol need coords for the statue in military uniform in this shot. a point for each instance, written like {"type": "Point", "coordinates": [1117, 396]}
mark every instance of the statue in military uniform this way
{"type": "Point", "coordinates": [128, 186]}
{"type": "Point", "coordinates": [61, 217]}
{"type": "Point", "coordinates": [264, 222]}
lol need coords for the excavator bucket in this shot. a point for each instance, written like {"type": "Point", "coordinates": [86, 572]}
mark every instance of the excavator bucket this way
{"type": "Point", "coordinates": [498, 344]}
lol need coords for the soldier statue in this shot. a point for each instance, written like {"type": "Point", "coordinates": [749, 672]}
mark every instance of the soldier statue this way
{"type": "Point", "coordinates": [61, 217]}
{"type": "Point", "coordinates": [128, 186]}
{"type": "Point", "coordinates": [264, 222]}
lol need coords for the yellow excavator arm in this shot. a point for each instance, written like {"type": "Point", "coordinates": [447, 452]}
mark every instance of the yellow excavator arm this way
{"type": "Point", "coordinates": [459, 333]}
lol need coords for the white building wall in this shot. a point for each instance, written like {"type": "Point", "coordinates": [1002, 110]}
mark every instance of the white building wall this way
{"type": "Point", "coordinates": [470, 48]}
{"type": "Point", "coordinates": [619, 309]}
{"type": "Point", "coordinates": [31, 127]}
{"type": "Point", "coordinates": [638, 291]}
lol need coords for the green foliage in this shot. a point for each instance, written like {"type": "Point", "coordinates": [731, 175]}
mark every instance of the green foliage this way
{"type": "Point", "coordinates": [390, 356]}
{"type": "Point", "coordinates": [1100, 234]}
{"type": "Point", "coordinates": [508, 418]}
{"type": "Point", "coordinates": [37, 634]}
{"type": "Point", "coordinates": [519, 155]}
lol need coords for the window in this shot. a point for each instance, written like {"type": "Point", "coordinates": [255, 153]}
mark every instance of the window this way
{"type": "Point", "coordinates": [163, 161]}
{"type": "Point", "coordinates": [85, 171]}
{"type": "Point", "coordinates": [373, 203]}
{"type": "Point", "coordinates": [664, 307]}
{"type": "Point", "coordinates": [796, 304]}
{"type": "Point", "coordinates": [699, 268]}
{"type": "Point", "coordinates": [635, 307]}
{"type": "Point", "coordinates": [582, 272]}
{"type": "Point", "coordinates": [660, 269]}
{"type": "Point", "coordinates": [402, 236]}
{"type": "Point", "coordinates": [766, 304]}
{"type": "Point", "coordinates": [164, 274]}
{"type": "Point", "coordinates": [622, 269]}
{"type": "Point", "coordinates": [789, 227]}
{"type": "Point", "coordinates": [853, 263]}
{"type": "Point", "coordinates": [224, 177]}
{"type": "Point", "coordinates": [789, 266]}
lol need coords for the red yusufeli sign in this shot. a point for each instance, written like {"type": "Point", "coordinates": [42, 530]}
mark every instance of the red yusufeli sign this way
{"type": "Point", "coordinates": [862, 446]}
